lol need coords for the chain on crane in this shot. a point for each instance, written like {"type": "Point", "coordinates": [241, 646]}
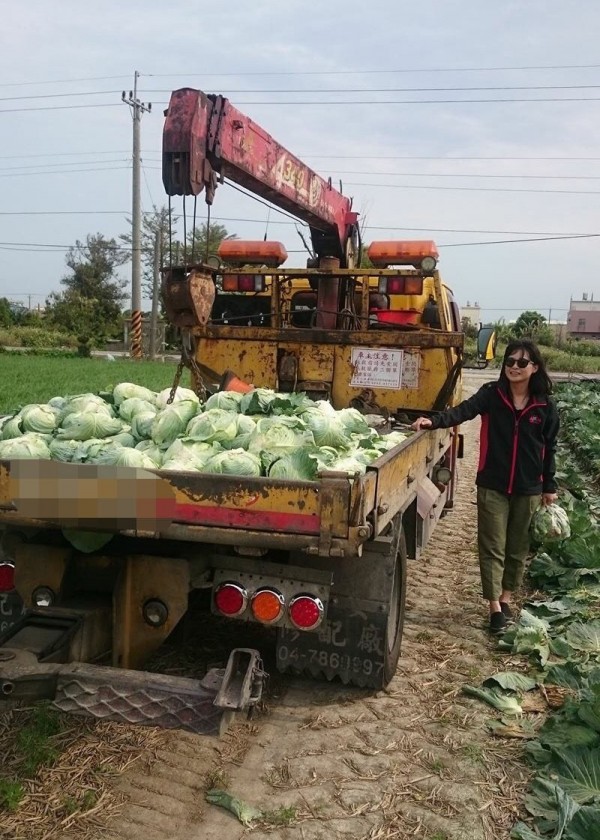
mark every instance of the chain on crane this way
{"type": "Point", "coordinates": [188, 359]}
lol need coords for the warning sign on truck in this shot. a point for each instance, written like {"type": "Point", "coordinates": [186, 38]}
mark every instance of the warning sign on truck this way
{"type": "Point", "coordinates": [384, 368]}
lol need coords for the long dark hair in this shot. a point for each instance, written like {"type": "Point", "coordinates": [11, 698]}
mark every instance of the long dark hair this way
{"type": "Point", "coordinates": [540, 384]}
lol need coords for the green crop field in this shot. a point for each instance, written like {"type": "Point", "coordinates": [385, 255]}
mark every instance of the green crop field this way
{"type": "Point", "coordinates": [35, 379]}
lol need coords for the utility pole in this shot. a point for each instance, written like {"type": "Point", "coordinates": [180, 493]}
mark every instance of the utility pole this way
{"type": "Point", "coordinates": [137, 109]}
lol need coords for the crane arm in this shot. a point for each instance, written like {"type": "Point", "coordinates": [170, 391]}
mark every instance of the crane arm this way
{"type": "Point", "coordinates": [206, 139]}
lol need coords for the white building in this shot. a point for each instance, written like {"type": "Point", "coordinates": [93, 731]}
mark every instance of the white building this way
{"type": "Point", "coordinates": [472, 312]}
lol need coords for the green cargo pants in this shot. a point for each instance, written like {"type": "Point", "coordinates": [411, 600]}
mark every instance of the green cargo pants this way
{"type": "Point", "coordinates": [503, 539]}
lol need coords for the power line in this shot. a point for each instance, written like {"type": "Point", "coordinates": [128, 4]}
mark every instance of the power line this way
{"type": "Point", "coordinates": [330, 102]}
{"type": "Point", "coordinates": [365, 72]}
{"type": "Point", "coordinates": [64, 171]}
{"type": "Point", "coordinates": [58, 247]}
{"type": "Point", "coordinates": [439, 157]}
{"type": "Point", "coordinates": [63, 212]}
{"type": "Point", "coordinates": [465, 175]}
{"type": "Point", "coordinates": [475, 189]}
{"type": "Point", "coordinates": [265, 203]}
{"type": "Point", "coordinates": [146, 213]}
{"type": "Point", "coordinates": [372, 90]}
{"type": "Point", "coordinates": [119, 248]}
{"type": "Point", "coordinates": [319, 156]}
{"type": "Point", "coordinates": [58, 107]}
{"type": "Point", "coordinates": [549, 234]}
{"type": "Point", "coordinates": [62, 81]}
{"type": "Point", "coordinates": [45, 166]}
{"type": "Point", "coordinates": [30, 96]}
{"type": "Point", "coordinates": [417, 228]}
{"type": "Point", "coordinates": [513, 241]}
{"type": "Point", "coordinates": [65, 154]}
{"type": "Point", "coordinates": [41, 168]}
{"type": "Point", "coordinates": [57, 95]}
{"type": "Point", "coordinates": [438, 187]}
{"type": "Point", "coordinates": [377, 71]}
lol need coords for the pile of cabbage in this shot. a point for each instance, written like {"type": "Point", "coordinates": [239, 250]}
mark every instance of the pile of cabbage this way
{"type": "Point", "coordinates": [261, 433]}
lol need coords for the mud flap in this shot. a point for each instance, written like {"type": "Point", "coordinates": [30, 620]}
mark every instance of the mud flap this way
{"type": "Point", "coordinates": [349, 645]}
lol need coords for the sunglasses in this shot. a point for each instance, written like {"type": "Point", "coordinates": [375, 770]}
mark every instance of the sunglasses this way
{"type": "Point", "coordinates": [520, 363]}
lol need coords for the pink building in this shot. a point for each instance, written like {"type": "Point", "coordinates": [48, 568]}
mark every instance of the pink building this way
{"type": "Point", "coordinates": [583, 320]}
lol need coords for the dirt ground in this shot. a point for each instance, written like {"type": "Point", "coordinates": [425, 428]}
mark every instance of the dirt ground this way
{"type": "Point", "coordinates": [328, 761]}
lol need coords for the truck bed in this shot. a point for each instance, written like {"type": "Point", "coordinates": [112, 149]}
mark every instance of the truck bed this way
{"type": "Point", "coordinates": [331, 516]}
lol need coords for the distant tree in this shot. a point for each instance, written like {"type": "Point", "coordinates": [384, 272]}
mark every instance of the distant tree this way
{"type": "Point", "coordinates": [155, 224]}
{"type": "Point", "coordinates": [92, 301]}
{"type": "Point", "coordinates": [7, 316]}
{"type": "Point", "coordinates": [204, 242]}
{"type": "Point", "coordinates": [533, 325]}
{"type": "Point", "coordinates": [528, 323]}
{"type": "Point", "coordinates": [468, 327]}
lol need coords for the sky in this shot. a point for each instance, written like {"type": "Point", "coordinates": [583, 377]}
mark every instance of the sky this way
{"type": "Point", "coordinates": [471, 123]}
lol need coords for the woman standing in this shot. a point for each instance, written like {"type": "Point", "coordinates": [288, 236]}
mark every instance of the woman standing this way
{"type": "Point", "coordinates": [519, 428]}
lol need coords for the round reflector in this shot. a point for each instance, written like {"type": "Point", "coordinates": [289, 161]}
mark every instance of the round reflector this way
{"type": "Point", "coordinates": [7, 577]}
{"type": "Point", "coordinates": [267, 605]}
{"type": "Point", "coordinates": [230, 599]}
{"type": "Point", "coordinates": [43, 596]}
{"type": "Point", "coordinates": [306, 612]}
{"type": "Point", "coordinates": [155, 612]}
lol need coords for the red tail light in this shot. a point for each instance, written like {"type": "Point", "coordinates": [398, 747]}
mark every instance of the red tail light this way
{"type": "Point", "coordinates": [230, 599]}
{"type": "Point", "coordinates": [306, 612]}
{"type": "Point", "coordinates": [243, 283]}
{"type": "Point", "coordinates": [409, 285]}
{"type": "Point", "coordinates": [7, 577]}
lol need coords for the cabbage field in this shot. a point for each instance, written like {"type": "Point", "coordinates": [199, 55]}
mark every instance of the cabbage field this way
{"type": "Point", "coordinates": [558, 636]}
{"type": "Point", "coordinates": [261, 433]}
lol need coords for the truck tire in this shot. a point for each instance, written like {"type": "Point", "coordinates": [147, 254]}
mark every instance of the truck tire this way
{"type": "Point", "coordinates": [361, 638]}
{"type": "Point", "coordinates": [395, 616]}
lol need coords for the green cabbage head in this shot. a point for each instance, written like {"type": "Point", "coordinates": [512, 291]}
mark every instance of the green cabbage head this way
{"type": "Point", "coordinates": [234, 462]}
{"type": "Point", "coordinates": [29, 445]}
{"type": "Point", "coordinates": [171, 422]}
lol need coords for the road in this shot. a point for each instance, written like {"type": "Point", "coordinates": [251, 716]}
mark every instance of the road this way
{"type": "Point", "coordinates": [331, 762]}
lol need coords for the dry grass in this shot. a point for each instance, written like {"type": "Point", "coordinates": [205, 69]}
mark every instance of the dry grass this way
{"type": "Point", "coordinates": [72, 791]}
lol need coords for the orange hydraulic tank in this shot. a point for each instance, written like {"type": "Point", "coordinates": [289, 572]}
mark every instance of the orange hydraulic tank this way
{"type": "Point", "coordinates": [401, 252]}
{"type": "Point", "coordinates": [246, 251]}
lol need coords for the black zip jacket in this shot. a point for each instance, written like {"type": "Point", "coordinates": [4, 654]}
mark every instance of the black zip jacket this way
{"type": "Point", "coordinates": [517, 448]}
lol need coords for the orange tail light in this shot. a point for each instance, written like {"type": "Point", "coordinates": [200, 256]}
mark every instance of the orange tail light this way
{"type": "Point", "coordinates": [267, 605]}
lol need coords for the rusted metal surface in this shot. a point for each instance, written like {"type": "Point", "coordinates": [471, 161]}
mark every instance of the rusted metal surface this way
{"type": "Point", "coordinates": [381, 337]}
{"type": "Point", "coordinates": [36, 566]}
{"type": "Point", "coordinates": [289, 580]}
{"type": "Point", "coordinates": [136, 697]}
{"type": "Point", "coordinates": [333, 509]}
{"type": "Point", "coordinates": [188, 296]}
{"type": "Point", "coordinates": [227, 509]}
{"type": "Point", "coordinates": [287, 372]}
{"type": "Point", "coordinates": [145, 578]}
{"type": "Point", "coordinates": [255, 503]}
{"type": "Point", "coordinates": [204, 135]}
{"type": "Point", "coordinates": [184, 143]}
{"type": "Point", "coordinates": [400, 470]}
{"type": "Point", "coordinates": [254, 361]}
